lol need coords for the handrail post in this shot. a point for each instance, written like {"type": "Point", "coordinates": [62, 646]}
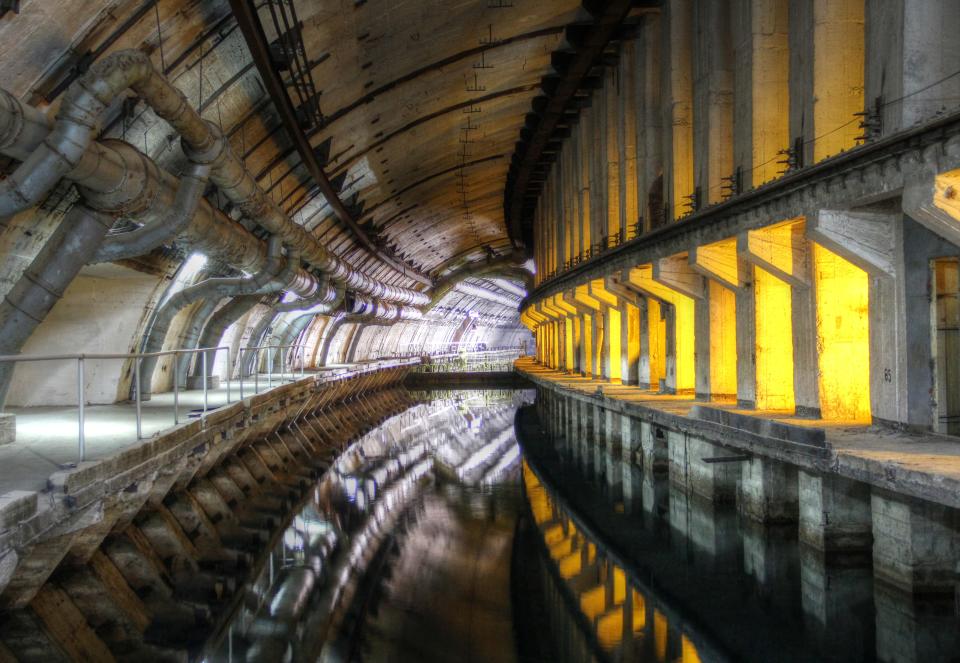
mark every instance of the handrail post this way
{"type": "Point", "coordinates": [282, 365]}
{"type": "Point", "coordinates": [136, 391]}
{"type": "Point", "coordinates": [81, 414]}
{"type": "Point", "coordinates": [204, 357]}
{"type": "Point", "coordinates": [303, 360]}
{"type": "Point", "coordinates": [256, 370]}
{"type": "Point", "coordinates": [176, 390]}
{"type": "Point", "coordinates": [269, 368]}
{"type": "Point", "coordinates": [240, 371]}
{"type": "Point", "coordinates": [229, 373]}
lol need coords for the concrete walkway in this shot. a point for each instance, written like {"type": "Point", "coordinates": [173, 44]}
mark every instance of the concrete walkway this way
{"type": "Point", "coordinates": [925, 465]}
{"type": "Point", "coordinates": [47, 439]}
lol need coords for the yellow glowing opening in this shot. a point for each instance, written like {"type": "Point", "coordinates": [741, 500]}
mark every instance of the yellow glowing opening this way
{"type": "Point", "coordinates": [843, 337]}
{"type": "Point", "coordinates": [657, 335]}
{"type": "Point", "coordinates": [568, 343]}
{"type": "Point", "coordinates": [611, 329]}
{"type": "Point", "coordinates": [723, 342]}
{"type": "Point", "coordinates": [587, 344]}
{"type": "Point", "coordinates": [774, 337]}
{"type": "Point", "coordinates": [632, 351]}
{"type": "Point", "coordinates": [684, 332]}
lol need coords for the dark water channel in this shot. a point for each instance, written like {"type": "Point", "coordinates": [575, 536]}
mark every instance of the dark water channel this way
{"type": "Point", "coordinates": [434, 538]}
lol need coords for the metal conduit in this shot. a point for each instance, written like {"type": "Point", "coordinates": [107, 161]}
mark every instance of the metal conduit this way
{"type": "Point", "coordinates": [66, 149]}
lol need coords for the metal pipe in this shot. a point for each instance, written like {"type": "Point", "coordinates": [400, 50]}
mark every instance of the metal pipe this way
{"type": "Point", "coordinates": [81, 411]}
{"type": "Point", "coordinates": [209, 289]}
{"type": "Point", "coordinates": [151, 235]}
{"type": "Point", "coordinates": [76, 127]}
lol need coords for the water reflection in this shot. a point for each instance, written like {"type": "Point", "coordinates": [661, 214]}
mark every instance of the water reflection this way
{"type": "Point", "coordinates": [443, 471]}
{"type": "Point", "coordinates": [633, 568]}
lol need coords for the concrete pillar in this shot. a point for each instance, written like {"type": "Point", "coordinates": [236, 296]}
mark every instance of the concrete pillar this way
{"type": "Point", "coordinates": [677, 79]}
{"type": "Point", "coordinates": [650, 135]}
{"type": "Point", "coordinates": [643, 363]}
{"type": "Point", "coordinates": [653, 446]}
{"type": "Point", "coordinates": [834, 512]}
{"type": "Point", "coordinates": [761, 93]}
{"type": "Point", "coordinates": [826, 75]}
{"type": "Point", "coordinates": [712, 99]}
{"type": "Point", "coordinates": [911, 47]}
{"type": "Point", "coordinates": [746, 318]}
{"type": "Point", "coordinates": [915, 544]}
{"type": "Point", "coordinates": [630, 344]}
{"type": "Point", "coordinates": [690, 469]}
{"type": "Point", "coordinates": [630, 439]}
{"type": "Point", "coordinates": [613, 440]}
{"type": "Point", "coordinates": [768, 490]}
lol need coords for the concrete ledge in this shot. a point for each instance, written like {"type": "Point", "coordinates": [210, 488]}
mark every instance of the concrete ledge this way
{"type": "Point", "coordinates": [8, 428]}
{"type": "Point", "coordinates": [804, 435]}
{"type": "Point", "coordinates": [16, 506]}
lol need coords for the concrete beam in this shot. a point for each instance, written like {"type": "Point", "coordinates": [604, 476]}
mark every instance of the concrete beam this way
{"type": "Point", "coordinates": [934, 201]}
{"type": "Point", "coordinates": [866, 239]}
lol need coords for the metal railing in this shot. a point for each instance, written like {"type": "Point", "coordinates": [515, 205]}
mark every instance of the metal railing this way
{"type": "Point", "coordinates": [137, 358]}
{"type": "Point", "coordinates": [244, 353]}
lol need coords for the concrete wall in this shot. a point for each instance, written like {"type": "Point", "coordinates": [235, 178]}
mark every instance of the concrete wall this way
{"type": "Point", "coordinates": [102, 311]}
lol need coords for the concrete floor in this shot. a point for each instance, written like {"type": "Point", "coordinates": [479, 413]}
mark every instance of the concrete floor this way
{"type": "Point", "coordinates": [47, 436]}
{"type": "Point", "coordinates": [925, 465]}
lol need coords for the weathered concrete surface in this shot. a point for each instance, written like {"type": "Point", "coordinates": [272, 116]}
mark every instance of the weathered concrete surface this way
{"type": "Point", "coordinates": [8, 428]}
{"type": "Point", "coordinates": [925, 466]}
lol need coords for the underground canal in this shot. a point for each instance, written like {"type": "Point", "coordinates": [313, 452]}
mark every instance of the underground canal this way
{"type": "Point", "coordinates": [460, 529]}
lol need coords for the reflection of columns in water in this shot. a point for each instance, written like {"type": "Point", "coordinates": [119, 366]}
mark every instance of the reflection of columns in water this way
{"type": "Point", "coordinates": [837, 598]}
{"type": "Point", "coordinates": [770, 558]}
{"type": "Point", "coordinates": [915, 629]}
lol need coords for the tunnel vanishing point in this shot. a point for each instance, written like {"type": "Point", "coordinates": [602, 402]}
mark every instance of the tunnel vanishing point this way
{"type": "Point", "coordinates": [721, 239]}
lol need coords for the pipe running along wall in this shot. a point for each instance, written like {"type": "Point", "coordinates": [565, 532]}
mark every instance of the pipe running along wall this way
{"type": "Point", "coordinates": [70, 146]}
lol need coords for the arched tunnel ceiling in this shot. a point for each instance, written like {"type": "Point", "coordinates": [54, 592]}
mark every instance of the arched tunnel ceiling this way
{"type": "Point", "coordinates": [424, 177]}
{"type": "Point", "coordinates": [423, 102]}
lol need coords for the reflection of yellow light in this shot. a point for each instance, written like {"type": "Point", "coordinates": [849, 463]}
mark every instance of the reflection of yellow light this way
{"type": "Point", "coordinates": [688, 651]}
{"type": "Point", "coordinates": [639, 612]}
{"type": "Point", "coordinates": [553, 534]}
{"type": "Point", "coordinates": [593, 602]}
{"type": "Point", "coordinates": [570, 566]}
{"type": "Point", "coordinates": [619, 585]}
{"type": "Point", "coordinates": [610, 629]}
{"type": "Point", "coordinates": [723, 341]}
{"type": "Point", "coordinates": [591, 553]}
{"type": "Point", "coordinates": [774, 338]}
{"type": "Point", "coordinates": [659, 635]}
{"type": "Point", "coordinates": [843, 337]}
{"type": "Point", "coordinates": [561, 548]}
